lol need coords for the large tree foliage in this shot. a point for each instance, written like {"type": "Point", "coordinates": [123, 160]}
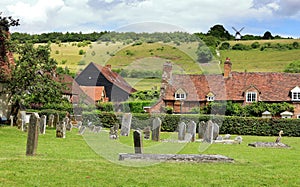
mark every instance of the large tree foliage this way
{"type": "Point", "coordinates": [33, 79]}
{"type": "Point", "coordinates": [204, 54]}
{"type": "Point", "coordinates": [220, 32]}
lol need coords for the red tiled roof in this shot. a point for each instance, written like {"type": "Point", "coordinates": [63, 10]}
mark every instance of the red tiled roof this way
{"type": "Point", "coordinates": [97, 93]}
{"type": "Point", "coordinates": [270, 86]}
{"type": "Point", "coordinates": [115, 78]}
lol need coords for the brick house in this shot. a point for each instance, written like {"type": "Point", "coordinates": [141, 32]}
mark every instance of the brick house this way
{"type": "Point", "coordinates": [183, 92]}
{"type": "Point", "coordinates": [115, 87]}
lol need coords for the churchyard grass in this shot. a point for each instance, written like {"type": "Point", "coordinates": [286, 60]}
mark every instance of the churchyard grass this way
{"type": "Point", "coordinates": [71, 162]}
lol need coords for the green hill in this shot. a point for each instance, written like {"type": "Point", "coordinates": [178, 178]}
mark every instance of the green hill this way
{"type": "Point", "coordinates": [145, 57]}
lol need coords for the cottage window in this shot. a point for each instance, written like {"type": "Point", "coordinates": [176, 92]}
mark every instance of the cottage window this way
{"type": "Point", "coordinates": [251, 97]}
{"type": "Point", "coordinates": [180, 94]}
{"type": "Point", "coordinates": [296, 94]}
{"type": "Point", "coordinates": [210, 97]}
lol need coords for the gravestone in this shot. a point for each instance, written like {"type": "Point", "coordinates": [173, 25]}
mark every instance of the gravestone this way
{"type": "Point", "coordinates": [147, 132]}
{"type": "Point", "coordinates": [97, 129]}
{"type": "Point", "coordinates": [181, 131]}
{"type": "Point", "coordinates": [21, 120]}
{"type": "Point", "coordinates": [69, 126]}
{"type": "Point", "coordinates": [11, 121]}
{"type": "Point", "coordinates": [32, 138]}
{"type": "Point", "coordinates": [211, 132]}
{"type": "Point", "coordinates": [126, 124]}
{"type": "Point", "coordinates": [79, 124]}
{"type": "Point", "coordinates": [43, 124]}
{"type": "Point", "coordinates": [51, 120]}
{"type": "Point", "coordinates": [56, 120]}
{"type": "Point", "coordinates": [61, 130]}
{"type": "Point", "coordinates": [201, 129]}
{"type": "Point", "coordinates": [156, 126]}
{"type": "Point", "coordinates": [137, 139]}
{"type": "Point", "coordinates": [191, 129]}
{"type": "Point", "coordinates": [113, 133]}
{"type": "Point", "coordinates": [81, 130]}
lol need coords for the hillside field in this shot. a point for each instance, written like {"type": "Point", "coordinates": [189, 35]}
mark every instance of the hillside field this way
{"type": "Point", "coordinates": [151, 57]}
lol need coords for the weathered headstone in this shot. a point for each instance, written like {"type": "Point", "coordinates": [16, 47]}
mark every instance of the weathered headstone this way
{"type": "Point", "coordinates": [201, 129]}
{"type": "Point", "coordinates": [21, 121]}
{"type": "Point", "coordinates": [11, 121]}
{"type": "Point", "coordinates": [211, 132]}
{"type": "Point", "coordinates": [68, 124]}
{"type": "Point", "coordinates": [61, 130]}
{"type": "Point", "coordinates": [51, 120]}
{"type": "Point", "coordinates": [181, 131]}
{"type": "Point", "coordinates": [43, 124]}
{"type": "Point", "coordinates": [79, 124]}
{"type": "Point", "coordinates": [97, 129]}
{"type": "Point", "coordinates": [126, 124]}
{"type": "Point", "coordinates": [32, 138]}
{"type": "Point", "coordinates": [113, 134]}
{"type": "Point", "coordinates": [138, 144]}
{"type": "Point", "coordinates": [156, 126]}
{"type": "Point", "coordinates": [56, 120]}
{"type": "Point", "coordinates": [147, 132]}
{"type": "Point", "coordinates": [81, 130]}
{"type": "Point", "coordinates": [191, 129]}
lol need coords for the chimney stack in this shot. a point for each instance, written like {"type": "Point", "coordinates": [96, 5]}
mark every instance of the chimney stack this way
{"type": "Point", "coordinates": [166, 78]}
{"type": "Point", "coordinates": [227, 68]}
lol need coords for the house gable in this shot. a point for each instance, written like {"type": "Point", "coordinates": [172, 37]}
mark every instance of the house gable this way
{"type": "Point", "coordinates": [116, 88]}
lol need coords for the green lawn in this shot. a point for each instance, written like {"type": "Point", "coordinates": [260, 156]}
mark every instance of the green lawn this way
{"type": "Point", "coordinates": [72, 162]}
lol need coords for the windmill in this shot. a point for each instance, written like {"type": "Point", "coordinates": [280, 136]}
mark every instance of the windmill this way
{"type": "Point", "coordinates": [238, 35]}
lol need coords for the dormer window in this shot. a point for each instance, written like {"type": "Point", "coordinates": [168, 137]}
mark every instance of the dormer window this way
{"type": "Point", "coordinates": [180, 94]}
{"type": "Point", "coordinates": [296, 94]}
{"type": "Point", "coordinates": [251, 97]}
{"type": "Point", "coordinates": [210, 96]}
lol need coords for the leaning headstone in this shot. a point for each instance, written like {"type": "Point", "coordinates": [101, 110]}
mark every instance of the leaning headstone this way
{"type": "Point", "coordinates": [32, 138]}
{"type": "Point", "coordinates": [21, 120]}
{"type": "Point", "coordinates": [181, 131]}
{"type": "Point", "coordinates": [147, 132]}
{"type": "Point", "coordinates": [56, 120]}
{"type": "Point", "coordinates": [81, 130]}
{"type": "Point", "coordinates": [137, 138]}
{"type": "Point", "coordinates": [61, 130]}
{"type": "Point", "coordinates": [79, 124]}
{"type": "Point", "coordinates": [156, 126]}
{"type": "Point", "coordinates": [51, 120]}
{"type": "Point", "coordinates": [43, 124]}
{"type": "Point", "coordinates": [126, 124]}
{"type": "Point", "coordinates": [191, 129]}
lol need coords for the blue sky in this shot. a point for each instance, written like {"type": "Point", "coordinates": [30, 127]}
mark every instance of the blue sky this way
{"type": "Point", "coordinates": [280, 17]}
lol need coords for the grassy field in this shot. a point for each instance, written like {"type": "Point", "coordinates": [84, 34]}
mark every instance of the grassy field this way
{"type": "Point", "coordinates": [72, 162]}
{"type": "Point", "coordinates": [151, 57]}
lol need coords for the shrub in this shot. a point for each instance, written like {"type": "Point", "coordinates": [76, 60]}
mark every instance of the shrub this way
{"type": "Point", "coordinates": [255, 45]}
{"type": "Point", "coordinates": [224, 46]}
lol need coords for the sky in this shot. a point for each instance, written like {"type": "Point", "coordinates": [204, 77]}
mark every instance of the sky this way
{"type": "Point", "coordinates": [280, 17]}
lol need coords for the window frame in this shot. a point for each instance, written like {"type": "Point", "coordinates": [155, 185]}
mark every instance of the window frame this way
{"type": "Point", "coordinates": [250, 98]}
{"type": "Point", "coordinates": [180, 94]}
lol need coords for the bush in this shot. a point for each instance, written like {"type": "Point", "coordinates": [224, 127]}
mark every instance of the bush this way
{"type": "Point", "coordinates": [240, 46]}
{"type": "Point", "coordinates": [255, 45]}
{"type": "Point", "coordinates": [224, 46]}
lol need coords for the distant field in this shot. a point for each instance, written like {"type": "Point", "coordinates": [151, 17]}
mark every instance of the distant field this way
{"type": "Point", "coordinates": [151, 57]}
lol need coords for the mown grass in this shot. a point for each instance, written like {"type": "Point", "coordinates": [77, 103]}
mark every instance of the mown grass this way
{"type": "Point", "coordinates": [71, 162]}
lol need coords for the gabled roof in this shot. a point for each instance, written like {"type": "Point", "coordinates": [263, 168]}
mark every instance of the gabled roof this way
{"type": "Point", "coordinates": [271, 86]}
{"type": "Point", "coordinates": [94, 92]}
{"type": "Point", "coordinates": [114, 78]}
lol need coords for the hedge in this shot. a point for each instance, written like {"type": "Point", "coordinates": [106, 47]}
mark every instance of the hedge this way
{"type": "Point", "coordinates": [229, 124]}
